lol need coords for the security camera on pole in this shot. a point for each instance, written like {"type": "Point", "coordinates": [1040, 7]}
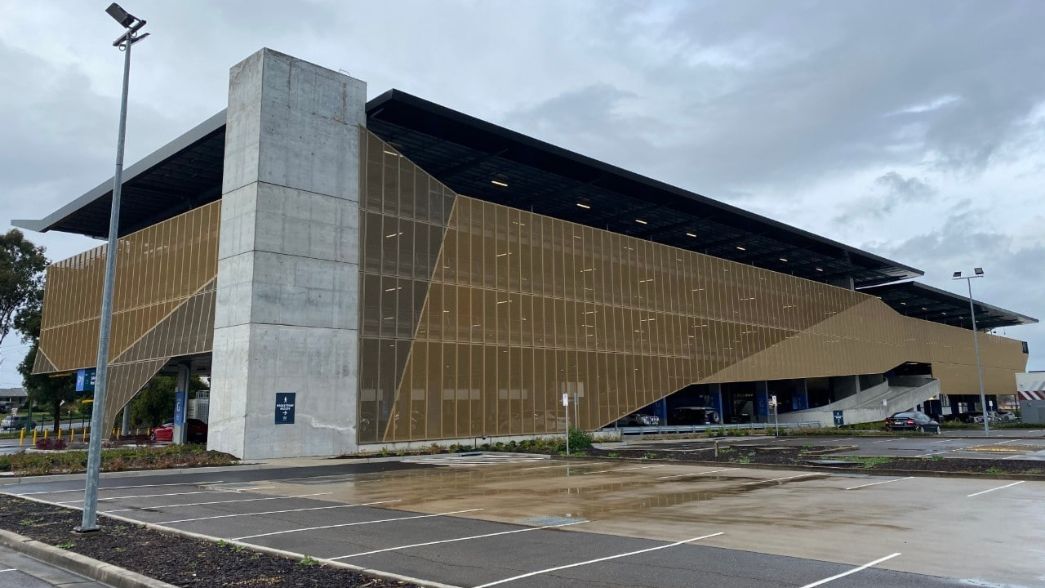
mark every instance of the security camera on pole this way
{"type": "Point", "coordinates": [124, 42]}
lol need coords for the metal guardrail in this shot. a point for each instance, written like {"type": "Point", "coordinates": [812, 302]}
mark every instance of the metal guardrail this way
{"type": "Point", "coordinates": [679, 429]}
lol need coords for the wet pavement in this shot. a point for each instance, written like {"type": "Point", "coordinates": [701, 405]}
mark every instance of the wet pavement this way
{"type": "Point", "coordinates": [969, 447]}
{"type": "Point", "coordinates": [521, 521]}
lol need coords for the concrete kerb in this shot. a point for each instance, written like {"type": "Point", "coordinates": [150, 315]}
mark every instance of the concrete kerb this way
{"type": "Point", "coordinates": [249, 466]}
{"type": "Point", "coordinates": [79, 564]}
{"type": "Point", "coordinates": [172, 531]}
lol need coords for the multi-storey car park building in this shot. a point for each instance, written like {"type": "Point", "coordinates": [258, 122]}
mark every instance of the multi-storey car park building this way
{"type": "Point", "coordinates": [414, 274]}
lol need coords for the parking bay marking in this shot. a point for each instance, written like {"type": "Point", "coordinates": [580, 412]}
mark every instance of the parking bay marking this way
{"type": "Point", "coordinates": [993, 489]}
{"type": "Point", "coordinates": [440, 514]}
{"type": "Point", "coordinates": [778, 479]}
{"type": "Point", "coordinates": [159, 495]}
{"type": "Point", "coordinates": [9, 570]}
{"type": "Point", "coordinates": [878, 483]}
{"type": "Point", "coordinates": [255, 514]}
{"type": "Point", "coordinates": [219, 502]}
{"type": "Point", "coordinates": [852, 571]}
{"type": "Point", "coordinates": [626, 469]}
{"type": "Point", "coordinates": [591, 561]}
{"type": "Point", "coordinates": [695, 474]}
{"type": "Point", "coordinates": [116, 488]}
{"type": "Point", "coordinates": [457, 539]}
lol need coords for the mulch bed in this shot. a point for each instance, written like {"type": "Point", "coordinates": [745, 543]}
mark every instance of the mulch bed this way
{"type": "Point", "coordinates": [171, 558]}
{"type": "Point", "coordinates": [799, 456]}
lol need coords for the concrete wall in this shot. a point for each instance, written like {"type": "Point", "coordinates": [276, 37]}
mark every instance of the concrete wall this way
{"type": "Point", "coordinates": [287, 310]}
{"type": "Point", "coordinates": [867, 406]}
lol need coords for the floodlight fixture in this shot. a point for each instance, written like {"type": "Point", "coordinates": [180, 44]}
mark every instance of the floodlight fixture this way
{"type": "Point", "coordinates": [957, 275]}
{"type": "Point", "coordinates": [978, 271]}
{"type": "Point", "coordinates": [120, 15]}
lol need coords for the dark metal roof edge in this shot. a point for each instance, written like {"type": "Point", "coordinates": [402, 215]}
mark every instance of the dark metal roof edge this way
{"type": "Point", "coordinates": [183, 141]}
{"type": "Point", "coordinates": [1022, 318]}
{"type": "Point", "coordinates": [394, 95]}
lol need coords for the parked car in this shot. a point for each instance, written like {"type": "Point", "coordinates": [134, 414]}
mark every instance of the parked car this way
{"type": "Point", "coordinates": [912, 421]}
{"type": "Point", "coordinates": [638, 419]}
{"type": "Point", "coordinates": [1006, 417]}
{"type": "Point", "coordinates": [16, 423]}
{"type": "Point", "coordinates": [694, 415]}
{"type": "Point", "coordinates": [195, 432]}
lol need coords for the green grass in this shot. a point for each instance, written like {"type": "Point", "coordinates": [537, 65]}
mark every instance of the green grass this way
{"type": "Point", "coordinates": [114, 460]}
{"type": "Point", "coordinates": [869, 462]}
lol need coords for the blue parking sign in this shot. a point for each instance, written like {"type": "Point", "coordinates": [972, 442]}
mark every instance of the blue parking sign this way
{"type": "Point", "coordinates": [285, 402]}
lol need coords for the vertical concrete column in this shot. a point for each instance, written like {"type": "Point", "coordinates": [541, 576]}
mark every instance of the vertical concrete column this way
{"type": "Point", "coordinates": [716, 398]}
{"type": "Point", "coordinates": [181, 395]}
{"type": "Point", "coordinates": [125, 420]}
{"type": "Point", "coordinates": [287, 308]}
{"type": "Point", "coordinates": [761, 402]}
{"type": "Point", "coordinates": [800, 397]}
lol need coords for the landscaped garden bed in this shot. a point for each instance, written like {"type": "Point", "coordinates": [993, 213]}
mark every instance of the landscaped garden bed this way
{"type": "Point", "coordinates": [178, 560]}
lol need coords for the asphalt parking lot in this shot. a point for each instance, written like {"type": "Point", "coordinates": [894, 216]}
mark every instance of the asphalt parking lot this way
{"type": "Point", "coordinates": [527, 521]}
{"type": "Point", "coordinates": [968, 447]}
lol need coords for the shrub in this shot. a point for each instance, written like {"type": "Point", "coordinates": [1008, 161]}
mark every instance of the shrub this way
{"type": "Point", "coordinates": [579, 439]}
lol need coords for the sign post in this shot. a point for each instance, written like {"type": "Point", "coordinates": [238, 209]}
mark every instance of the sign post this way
{"type": "Point", "coordinates": [566, 409]}
{"type": "Point", "coordinates": [776, 422]}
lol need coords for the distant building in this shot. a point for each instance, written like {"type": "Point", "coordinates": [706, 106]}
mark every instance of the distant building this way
{"type": "Point", "coordinates": [356, 273]}
{"type": "Point", "coordinates": [12, 396]}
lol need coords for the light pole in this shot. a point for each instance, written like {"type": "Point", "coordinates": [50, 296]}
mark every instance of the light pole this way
{"type": "Point", "coordinates": [977, 273]}
{"type": "Point", "coordinates": [124, 42]}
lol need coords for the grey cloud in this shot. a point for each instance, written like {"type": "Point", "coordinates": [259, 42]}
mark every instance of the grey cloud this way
{"type": "Point", "coordinates": [890, 192]}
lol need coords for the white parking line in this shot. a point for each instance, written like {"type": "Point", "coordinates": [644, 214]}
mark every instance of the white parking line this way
{"type": "Point", "coordinates": [626, 469]}
{"type": "Point", "coordinates": [219, 502]}
{"type": "Point", "coordinates": [9, 570]}
{"type": "Point", "coordinates": [157, 495]}
{"type": "Point", "coordinates": [440, 514]}
{"type": "Point", "coordinates": [778, 479]}
{"type": "Point", "coordinates": [993, 489]}
{"type": "Point", "coordinates": [256, 514]}
{"type": "Point", "coordinates": [562, 465]}
{"type": "Point", "coordinates": [884, 440]}
{"type": "Point", "coordinates": [878, 483]}
{"type": "Point", "coordinates": [852, 571]}
{"type": "Point", "coordinates": [526, 530]}
{"type": "Point", "coordinates": [115, 488]}
{"type": "Point", "coordinates": [591, 561]}
{"type": "Point", "coordinates": [944, 441]}
{"type": "Point", "coordinates": [694, 474]}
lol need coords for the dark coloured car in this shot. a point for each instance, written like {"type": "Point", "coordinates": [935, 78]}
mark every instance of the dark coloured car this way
{"type": "Point", "coordinates": [694, 415]}
{"type": "Point", "coordinates": [639, 419]}
{"type": "Point", "coordinates": [912, 421]}
{"type": "Point", "coordinates": [195, 432]}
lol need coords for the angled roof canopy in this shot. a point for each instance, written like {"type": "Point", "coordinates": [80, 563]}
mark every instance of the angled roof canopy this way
{"type": "Point", "coordinates": [933, 304]}
{"type": "Point", "coordinates": [482, 160]}
{"type": "Point", "coordinates": [181, 175]}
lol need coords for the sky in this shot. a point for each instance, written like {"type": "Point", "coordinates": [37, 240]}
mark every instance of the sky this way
{"type": "Point", "coordinates": [915, 130]}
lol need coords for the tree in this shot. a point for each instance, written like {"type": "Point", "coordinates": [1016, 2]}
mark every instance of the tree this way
{"type": "Point", "coordinates": [46, 389]}
{"type": "Point", "coordinates": [154, 404]}
{"type": "Point", "coordinates": [21, 278]}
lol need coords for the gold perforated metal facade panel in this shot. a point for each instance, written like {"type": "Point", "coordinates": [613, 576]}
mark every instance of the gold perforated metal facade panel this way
{"type": "Point", "coordinates": [478, 317]}
{"type": "Point", "coordinates": [163, 305]}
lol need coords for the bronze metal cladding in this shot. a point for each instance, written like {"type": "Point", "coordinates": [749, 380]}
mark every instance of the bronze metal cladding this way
{"type": "Point", "coordinates": [477, 317]}
{"type": "Point", "coordinates": [163, 305]}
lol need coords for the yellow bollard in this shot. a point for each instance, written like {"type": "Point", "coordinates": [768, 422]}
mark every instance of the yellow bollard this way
{"type": "Point", "coordinates": [83, 438]}
{"type": "Point", "coordinates": [34, 437]}
{"type": "Point", "coordinates": [46, 432]}
{"type": "Point", "coordinates": [21, 437]}
{"type": "Point", "coordinates": [59, 433]}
